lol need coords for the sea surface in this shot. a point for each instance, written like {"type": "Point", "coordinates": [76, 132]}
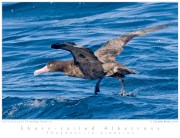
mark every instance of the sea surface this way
{"type": "Point", "coordinates": [29, 29]}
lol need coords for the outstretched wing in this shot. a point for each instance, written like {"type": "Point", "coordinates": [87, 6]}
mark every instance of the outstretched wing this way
{"type": "Point", "coordinates": [112, 48]}
{"type": "Point", "coordinates": [84, 58]}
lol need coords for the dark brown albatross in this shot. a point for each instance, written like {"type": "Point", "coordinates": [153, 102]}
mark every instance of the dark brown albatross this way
{"type": "Point", "coordinates": [96, 65]}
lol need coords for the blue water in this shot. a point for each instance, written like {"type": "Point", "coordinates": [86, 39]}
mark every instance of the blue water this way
{"type": "Point", "coordinates": [30, 28]}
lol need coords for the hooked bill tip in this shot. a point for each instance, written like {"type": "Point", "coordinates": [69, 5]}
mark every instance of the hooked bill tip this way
{"type": "Point", "coordinates": [35, 73]}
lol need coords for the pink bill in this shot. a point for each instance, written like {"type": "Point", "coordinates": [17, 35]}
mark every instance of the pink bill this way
{"type": "Point", "coordinates": [40, 71]}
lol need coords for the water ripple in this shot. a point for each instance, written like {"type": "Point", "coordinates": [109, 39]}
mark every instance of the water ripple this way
{"type": "Point", "coordinates": [29, 31]}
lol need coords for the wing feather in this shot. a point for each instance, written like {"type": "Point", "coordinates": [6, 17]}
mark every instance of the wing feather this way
{"type": "Point", "coordinates": [112, 48]}
{"type": "Point", "coordinates": [84, 58]}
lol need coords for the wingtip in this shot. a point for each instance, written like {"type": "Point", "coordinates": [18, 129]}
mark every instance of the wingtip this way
{"type": "Point", "coordinates": [166, 25]}
{"type": "Point", "coordinates": [171, 24]}
{"type": "Point", "coordinates": [60, 45]}
{"type": "Point", "coordinates": [55, 46]}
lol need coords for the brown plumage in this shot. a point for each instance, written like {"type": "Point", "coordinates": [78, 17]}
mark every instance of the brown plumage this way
{"type": "Point", "coordinates": [96, 65]}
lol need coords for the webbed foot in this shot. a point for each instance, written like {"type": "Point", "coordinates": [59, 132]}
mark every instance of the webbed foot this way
{"type": "Point", "coordinates": [123, 93]}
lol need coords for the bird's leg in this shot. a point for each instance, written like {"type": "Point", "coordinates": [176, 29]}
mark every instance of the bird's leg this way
{"type": "Point", "coordinates": [97, 86]}
{"type": "Point", "coordinates": [123, 93]}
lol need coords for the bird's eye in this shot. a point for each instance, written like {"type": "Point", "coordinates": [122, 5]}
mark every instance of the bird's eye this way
{"type": "Point", "coordinates": [50, 65]}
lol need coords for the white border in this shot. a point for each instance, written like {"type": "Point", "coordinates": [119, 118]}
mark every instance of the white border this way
{"type": "Point", "coordinates": [89, 0]}
{"type": "Point", "coordinates": [83, 128]}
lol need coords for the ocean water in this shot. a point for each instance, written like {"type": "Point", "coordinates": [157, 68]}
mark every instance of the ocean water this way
{"type": "Point", "coordinates": [29, 29]}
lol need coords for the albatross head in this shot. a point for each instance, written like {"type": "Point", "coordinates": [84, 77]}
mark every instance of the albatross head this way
{"type": "Point", "coordinates": [52, 66]}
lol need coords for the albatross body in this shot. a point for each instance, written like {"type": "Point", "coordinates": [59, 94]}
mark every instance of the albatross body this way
{"type": "Point", "coordinates": [91, 65]}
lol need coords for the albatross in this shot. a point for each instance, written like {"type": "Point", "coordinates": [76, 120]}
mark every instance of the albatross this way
{"type": "Point", "coordinates": [102, 63]}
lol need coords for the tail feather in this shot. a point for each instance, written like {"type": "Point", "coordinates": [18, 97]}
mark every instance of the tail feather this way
{"type": "Point", "coordinates": [134, 72]}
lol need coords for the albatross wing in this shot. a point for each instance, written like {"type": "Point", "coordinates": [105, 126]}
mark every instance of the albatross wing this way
{"type": "Point", "coordinates": [112, 48]}
{"type": "Point", "coordinates": [84, 58]}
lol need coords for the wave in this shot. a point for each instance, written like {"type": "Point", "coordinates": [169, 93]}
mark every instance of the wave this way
{"type": "Point", "coordinates": [91, 107]}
